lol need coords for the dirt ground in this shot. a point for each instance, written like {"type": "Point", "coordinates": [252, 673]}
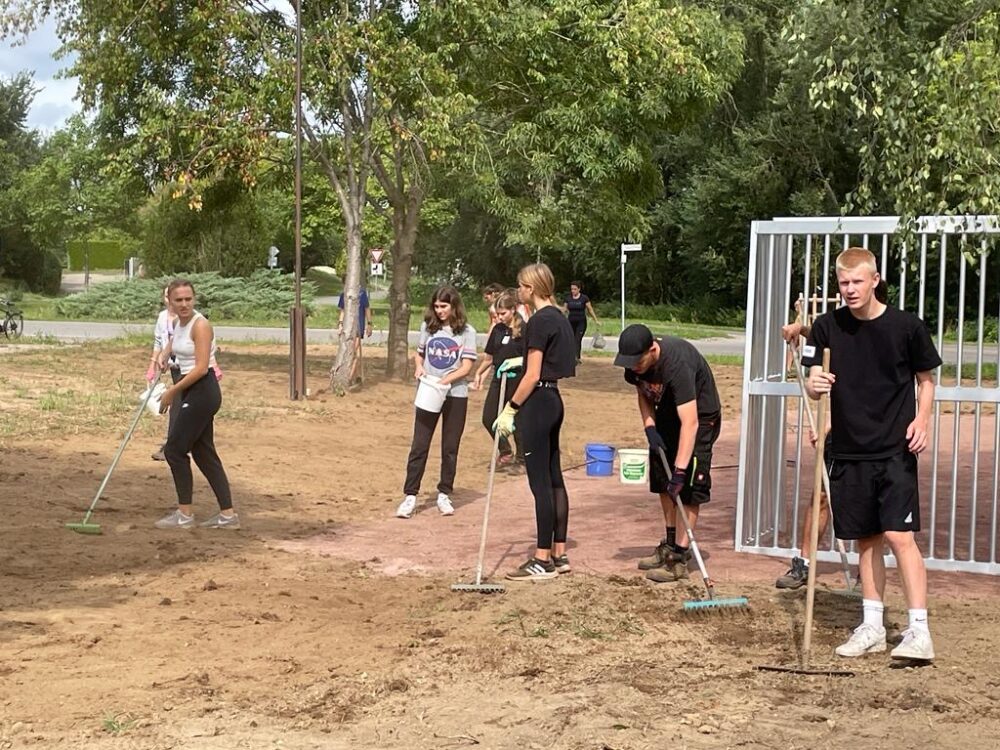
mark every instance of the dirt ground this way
{"type": "Point", "coordinates": [326, 623]}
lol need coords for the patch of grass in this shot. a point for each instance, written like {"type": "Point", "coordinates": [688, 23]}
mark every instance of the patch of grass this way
{"type": "Point", "coordinates": [734, 360]}
{"type": "Point", "coordinates": [969, 373]}
{"type": "Point", "coordinates": [118, 724]}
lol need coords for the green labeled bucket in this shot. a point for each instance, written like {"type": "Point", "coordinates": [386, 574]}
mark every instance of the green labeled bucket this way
{"type": "Point", "coordinates": [633, 465]}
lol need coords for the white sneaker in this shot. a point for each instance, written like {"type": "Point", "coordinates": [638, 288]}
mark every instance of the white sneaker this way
{"type": "Point", "coordinates": [916, 645]}
{"type": "Point", "coordinates": [406, 508]}
{"type": "Point", "coordinates": [444, 504]}
{"type": "Point", "coordinates": [866, 639]}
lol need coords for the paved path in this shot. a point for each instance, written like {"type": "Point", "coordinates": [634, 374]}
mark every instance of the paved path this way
{"type": "Point", "coordinates": [65, 330]}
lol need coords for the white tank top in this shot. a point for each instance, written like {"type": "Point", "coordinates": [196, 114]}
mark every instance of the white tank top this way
{"type": "Point", "coordinates": [183, 346]}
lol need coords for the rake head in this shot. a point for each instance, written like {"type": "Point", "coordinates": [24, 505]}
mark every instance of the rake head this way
{"type": "Point", "coordinates": [479, 588]}
{"type": "Point", "coordinates": [84, 528]}
{"type": "Point", "coordinates": [708, 605]}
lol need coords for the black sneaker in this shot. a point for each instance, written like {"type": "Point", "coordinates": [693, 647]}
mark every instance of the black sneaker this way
{"type": "Point", "coordinates": [562, 563]}
{"type": "Point", "coordinates": [534, 570]}
{"type": "Point", "coordinates": [796, 576]}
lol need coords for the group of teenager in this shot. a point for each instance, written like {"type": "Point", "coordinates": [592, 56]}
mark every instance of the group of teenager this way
{"type": "Point", "coordinates": [879, 424]}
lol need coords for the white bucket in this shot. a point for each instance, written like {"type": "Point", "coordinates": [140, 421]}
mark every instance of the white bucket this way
{"type": "Point", "coordinates": [153, 404]}
{"type": "Point", "coordinates": [633, 465]}
{"type": "Point", "coordinates": [431, 394]}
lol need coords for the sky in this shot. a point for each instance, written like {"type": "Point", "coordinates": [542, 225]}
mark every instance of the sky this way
{"type": "Point", "coordinates": [54, 101]}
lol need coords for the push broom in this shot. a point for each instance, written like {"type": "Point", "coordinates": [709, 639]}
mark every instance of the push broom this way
{"type": "Point", "coordinates": [711, 603]}
{"type": "Point", "coordinates": [85, 526]}
{"type": "Point", "coordinates": [479, 586]}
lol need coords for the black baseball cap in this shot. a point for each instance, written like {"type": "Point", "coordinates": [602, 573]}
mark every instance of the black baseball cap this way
{"type": "Point", "coordinates": [634, 341]}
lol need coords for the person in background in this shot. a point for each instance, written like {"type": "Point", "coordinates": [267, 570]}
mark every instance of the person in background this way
{"type": "Point", "coordinates": [577, 306]}
{"type": "Point", "coordinates": [505, 342]}
{"type": "Point", "coordinates": [490, 294]}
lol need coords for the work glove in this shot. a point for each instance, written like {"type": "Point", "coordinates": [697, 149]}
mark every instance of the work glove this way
{"type": "Point", "coordinates": [152, 372]}
{"type": "Point", "coordinates": [509, 366]}
{"type": "Point", "coordinates": [677, 482]}
{"type": "Point", "coordinates": [655, 440]}
{"type": "Point", "coordinates": [505, 422]}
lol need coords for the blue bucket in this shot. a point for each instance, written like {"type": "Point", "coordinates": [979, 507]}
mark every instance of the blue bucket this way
{"type": "Point", "coordinates": [600, 459]}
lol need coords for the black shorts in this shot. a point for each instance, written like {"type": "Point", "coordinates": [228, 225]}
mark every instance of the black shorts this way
{"type": "Point", "coordinates": [698, 489]}
{"type": "Point", "coordinates": [870, 497]}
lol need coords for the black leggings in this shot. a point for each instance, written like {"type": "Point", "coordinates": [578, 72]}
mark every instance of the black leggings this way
{"type": "Point", "coordinates": [491, 409]}
{"type": "Point", "coordinates": [453, 425]}
{"type": "Point", "coordinates": [579, 330]}
{"type": "Point", "coordinates": [192, 436]}
{"type": "Point", "coordinates": [539, 421]}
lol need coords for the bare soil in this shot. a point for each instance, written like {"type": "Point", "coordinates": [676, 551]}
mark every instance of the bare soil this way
{"type": "Point", "coordinates": [326, 623]}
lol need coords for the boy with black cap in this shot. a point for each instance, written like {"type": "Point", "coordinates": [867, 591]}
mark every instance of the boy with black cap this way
{"type": "Point", "coordinates": [681, 413]}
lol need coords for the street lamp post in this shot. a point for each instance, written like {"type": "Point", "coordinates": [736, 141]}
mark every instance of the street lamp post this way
{"type": "Point", "coordinates": [626, 249]}
{"type": "Point", "coordinates": [297, 318]}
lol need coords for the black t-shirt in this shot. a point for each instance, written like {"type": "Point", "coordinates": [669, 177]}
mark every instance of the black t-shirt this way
{"type": "Point", "coordinates": [680, 375]}
{"type": "Point", "coordinates": [502, 345]}
{"type": "Point", "coordinates": [873, 402]}
{"type": "Point", "coordinates": [549, 331]}
{"type": "Point", "coordinates": [577, 308]}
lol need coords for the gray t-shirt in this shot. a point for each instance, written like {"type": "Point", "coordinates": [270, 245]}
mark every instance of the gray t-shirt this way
{"type": "Point", "coordinates": [443, 352]}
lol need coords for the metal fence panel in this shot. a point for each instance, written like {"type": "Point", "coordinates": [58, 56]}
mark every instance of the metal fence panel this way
{"type": "Point", "coordinates": [947, 272]}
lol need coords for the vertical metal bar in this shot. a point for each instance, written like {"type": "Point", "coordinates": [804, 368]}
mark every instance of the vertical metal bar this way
{"type": "Point", "coordinates": [807, 272]}
{"type": "Point", "coordinates": [957, 431]}
{"type": "Point", "coordinates": [979, 406]}
{"type": "Point", "coordinates": [797, 494]}
{"type": "Point", "coordinates": [884, 268]}
{"type": "Point", "coordinates": [923, 276]}
{"type": "Point", "coordinates": [741, 483]}
{"type": "Point", "coordinates": [762, 443]}
{"type": "Point", "coordinates": [826, 269]}
{"type": "Point", "coordinates": [864, 240]}
{"type": "Point", "coordinates": [936, 440]}
{"type": "Point", "coordinates": [787, 297]}
{"type": "Point", "coordinates": [996, 461]}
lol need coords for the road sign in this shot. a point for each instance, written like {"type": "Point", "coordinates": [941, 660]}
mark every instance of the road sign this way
{"type": "Point", "coordinates": [272, 257]}
{"type": "Point", "coordinates": [376, 253]}
{"type": "Point", "coordinates": [627, 248]}
{"type": "Point", "coordinates": [631, 248]}
{"type": "Point", "coordinates": [377, 269]}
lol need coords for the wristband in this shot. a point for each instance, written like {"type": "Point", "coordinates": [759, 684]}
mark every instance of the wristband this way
{"type": "Point", "coordinates": [513, 406]}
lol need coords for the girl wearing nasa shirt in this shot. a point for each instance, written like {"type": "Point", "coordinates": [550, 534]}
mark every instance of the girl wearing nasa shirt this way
{"type": "Point", "coordinates": [447, 350]}
{"type": "Point", "coordinates": [550, 356]}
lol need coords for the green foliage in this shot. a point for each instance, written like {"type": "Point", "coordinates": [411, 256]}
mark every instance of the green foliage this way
{"type": "Point", "coordinates": [223, 229]}
{"type": "Point", "coordinates": [218, 297]}
{"type": "Point", "coordinates": [97, 254]}
{"type": "Point", "coordinates": [20, 258]}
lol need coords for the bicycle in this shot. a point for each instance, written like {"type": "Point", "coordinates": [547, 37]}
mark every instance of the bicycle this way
{"type": "Point", "coordinates": [13, 320]}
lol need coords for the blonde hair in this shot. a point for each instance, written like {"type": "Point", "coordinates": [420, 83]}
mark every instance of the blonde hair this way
{"type": "Point", "coordinates": [856, 257]}
{"type": "Point", "coordinates": [539, 277]}
{"type": "Point", "coordinates": [507, 300]}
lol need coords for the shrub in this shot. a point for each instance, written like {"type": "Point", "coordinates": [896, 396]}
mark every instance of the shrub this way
{"type": "Point", "coordinates": [264, 294]}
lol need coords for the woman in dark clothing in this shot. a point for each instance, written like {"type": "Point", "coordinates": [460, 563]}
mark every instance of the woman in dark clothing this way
{"type": "Point", "coordinates": [577, 306]}
{"type": "Point", "coordinates": [505, 341]}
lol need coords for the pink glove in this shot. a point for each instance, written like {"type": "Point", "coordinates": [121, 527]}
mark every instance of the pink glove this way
{"type": "Point", "coordinates": [218, 372]}
{"type": "Point", "coordinates": [151, 373]}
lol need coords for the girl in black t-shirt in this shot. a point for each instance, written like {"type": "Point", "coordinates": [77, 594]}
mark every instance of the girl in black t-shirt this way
{"type": "Point", "coordinates": [505, 341]}
{"type": "Point", "coordinates": [577, 306]}
{"type": "Point", "coordinates": [548, 341]}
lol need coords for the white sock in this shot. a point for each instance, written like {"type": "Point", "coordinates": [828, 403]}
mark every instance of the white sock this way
{"type": "Point", "coordinates": [873, 610]}
{"type": "Point", "coordinates": [918, 619]}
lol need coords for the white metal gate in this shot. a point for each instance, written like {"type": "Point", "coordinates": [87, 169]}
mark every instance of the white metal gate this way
{"type": "Point", "coordinates": [948, 276]}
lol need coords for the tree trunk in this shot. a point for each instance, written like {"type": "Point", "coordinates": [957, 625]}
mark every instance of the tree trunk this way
{"type": "Point", "coordinates": [343, 363]}
{"type": "Point", "coordinates": [405, 221]}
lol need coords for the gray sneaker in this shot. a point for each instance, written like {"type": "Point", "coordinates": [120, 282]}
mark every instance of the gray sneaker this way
{"type": "Point", "coordinates": [175, 520]}
{"type": "Point", "coordinates": [219, 521]}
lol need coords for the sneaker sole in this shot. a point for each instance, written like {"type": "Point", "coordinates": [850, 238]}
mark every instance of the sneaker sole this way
{"type": "Point", "coordinates": [564, 571]}
{"type": "Point", "coordinates": [788, 586]}
{"type": "Point", "coordinates": [911, 656]}
{"type": "Point", "coordinates": [541, 577]}
{"type": "Point", "coordinates": [447, 512]}
{"type": "Point", "coordinates": [876, 649]}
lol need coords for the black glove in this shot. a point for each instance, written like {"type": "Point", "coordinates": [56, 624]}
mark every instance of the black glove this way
{"type": "Point", "coordinates": [677, 482]}
{"type": "Point", "coordinates": [655, 440]}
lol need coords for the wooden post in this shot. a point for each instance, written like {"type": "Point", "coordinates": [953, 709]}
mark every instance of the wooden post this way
{"type": "Point", "coordinates": [814, 531]}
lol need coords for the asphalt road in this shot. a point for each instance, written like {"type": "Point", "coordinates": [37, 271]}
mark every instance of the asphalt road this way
{"type": "Point", "coordinates": [84, 331]}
